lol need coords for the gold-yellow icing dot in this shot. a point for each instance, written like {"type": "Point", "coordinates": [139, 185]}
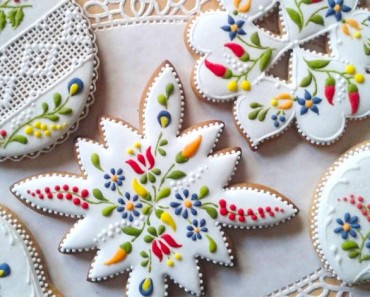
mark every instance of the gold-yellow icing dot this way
{"type": "Point", "coordinates": [245, 85]}
{"type": "Point", "coordinates": [170, 263]}
{"type": "Point", "coordinates": [359, 78]}
{"type": "Point", "coordinates": [47, 133]}
{"type": "Point", "coordinates": [28, 130]}
{"type": "Point", "coordinates": [350, 69]}
{"type": "Point", "coordinates": [137, 145]}
{"type": "Point", "coordinates": [232, 86]}
{"type": "Point", "coordinates": [53, 127]}
{"type": "Point", "coordinates": [178, 256]}
{"type": "Point", "coordinates": [37, 125]}
{"type": "Point", "coordinates": [37, 134]}
{"type": "Point", "coordinates": [59, 127]}
{"type": "Point", "coordinates": [274, 102]}
{"type": "Point", "coordinates": [43, 127]}
{"type": "Point", "coordinates": [357, 35]}
{"type": "Point", "coordinates": [130, 151]}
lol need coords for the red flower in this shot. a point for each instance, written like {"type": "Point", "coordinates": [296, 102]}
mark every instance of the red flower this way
{"type": "Point", "coordinates": [162, 246]}
{"type": "Point", "coordinates": [238, 51]}
{"type": "Point", "coordinates": [219, 70]}
{"type": "Point", "coordinates": [354, 98]}
{"type": "Point", "coordinates": [330, 89]}
{"type": "Point", "coordinates": [142, 162]}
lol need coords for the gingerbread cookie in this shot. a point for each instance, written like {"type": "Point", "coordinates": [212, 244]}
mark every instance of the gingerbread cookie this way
{"type": "Point", "coordinates": [152, 201]}
{"type": "Point", "coordinates": [341, 215]}
{"type": "Point", "coordinates": [323, 90]}
{"type": "Point", "coordinates": [22, 268]}
{"type": "Point", "coordinates": [48, 69]}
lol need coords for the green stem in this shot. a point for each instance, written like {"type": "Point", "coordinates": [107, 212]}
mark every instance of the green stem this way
{"type": "Point", "coordinates": [150, 262]}
{"type": "Point", "coordinates": [100, 202]}
{"type": "Point", "coordinates": [252, 45]}
{"type": "Point", "coordinates": [155, 193]}
{"type": "Point", "coordinates": [317, 11]}
{"type": "Point", "coordinates": [137, 236]}
{"type": "Point", "coordinates": [119, 191]}
{"type": "Point", "coordinates": [157, 144]}
{"type": "Point", "coordinates": [165, 176]}
{"type": "Point", "coordinates": [44, 115]}
{"type": "Point", "coordinates": [315, 85]}
{"type": "Point", "coordinates": [363, 238]}
{"type": "Point", "coordinates": [298, 5]}
{"type": "Point", "coordinates": [6, 6]}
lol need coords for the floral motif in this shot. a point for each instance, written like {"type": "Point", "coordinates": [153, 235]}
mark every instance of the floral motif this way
{"type": "Point", "coordinates": [168, 181]}
{"type": "Point", "coordinates": [4, 270]}
{"type": "Point", "coordinates": [309, 103]}
{"type": "Point", "coordinates": [347, 226]}
{"type": "Point", "coordinates": [114, 179]}
{"type": "Point", "coordinates": [234, 28]}
{"type": "Point", "coordinates": [336, 7]}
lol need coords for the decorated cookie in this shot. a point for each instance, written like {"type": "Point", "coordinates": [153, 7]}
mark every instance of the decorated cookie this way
{"type": "Point", "coordinates": [341, 215]}
{"type": "Point", "coordinates": [48, 69]}
{"type": "Point", "coordinates": [323, 89]}
{"type": "Point", "coordinates": [22, 268]}
{"type": "Point", "coordinates": [152, 201]}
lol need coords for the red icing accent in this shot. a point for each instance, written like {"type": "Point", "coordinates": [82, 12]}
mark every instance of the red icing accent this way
{"type": "Point", "coordinates": [240, 212]}
{"type": "Point", "coordinates": [222, 203]}
{"type": "Point", "coordinates": [360, 199]}
{"type": "Point", "coordinates": [157, 251]}
{"type": "Point", "coordinates": [254, 218]}
{"type": "Point", "coordinates": [216, 69]}
{"type": "Point", "coordinates": [76, 201]}
{"type": "Point", "coordinates": [50, 196]}
{"type": "Point", "coordinates": [65, 188]}
{"type": "Point", "coordinates": [149, 157]}
{"type": "Point", "coordinates": [237, 49]}
{"type": "Point", "coordinates": [47, 190]}
{"type": "Point", "coordinates": [233, 207]}
{"type": "Point", "coordinates": [164, 248]}
{"type": "Point", "coordinates": [84, 193]}
{"type": "Point", "coordinates": [141, 159]}
{"type": "Point", "coordinates": [38, 191]}
{"type": "Point", "coordinates": [231, 217]}
{"type": "Point", "coordinates": [135, 166]}
{"type": "Point", "coordinates": [74, 189]}
{"type": "Point", "coordinates": [241, 219]}
{"type": "Point", "coordinates": [68, 196]}
{"type": "Point", "coordinates": [268, 209]}
{"type": "Point", "coordinates": [85, 205]}
{"type": "Point", "coordinates": [60, 196]}
{"type": "Point", "coordinates": [57, 188]}
{"type": "Point", "coordinates": [354, 100]}
{"type": "Point", "coordinates": [170, 241]}
{"type": "Point", "coordinates": [223, 211]}
{"type": "Point", "coordinates": [41, 196]}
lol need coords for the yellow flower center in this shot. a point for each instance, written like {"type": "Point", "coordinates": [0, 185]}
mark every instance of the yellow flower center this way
{"type": "Point", "coordinates": [130, 206]}
{"type": "Point", "coordinates": [337, 8]}
{"type": "Point", "coordinates": [114, 178]}
{"type": "Point", "coordinates": [234, 28]}
{"type": "Point", "coordinates": [188, 203]}
{"type": "Point", "coordinates": [346, 227]}
{"type": "Point", "coordinates": [309, 103]}
{"type": "Point", "coordinates": [196, 230]}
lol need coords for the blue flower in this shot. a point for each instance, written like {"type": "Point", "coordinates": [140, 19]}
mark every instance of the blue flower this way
{"type": "Point", "coordinates": [308, 103]}
{"type": "Point", "coordinates": [234, 28]}
{"type": "Point", "coordinates": [195, 230]}
{"type": "Point", "coordinates": [336, 7]}
{"type": "Point", "coordinates": [115, 178]}
{"type": "Point", "coordinates": [186, 204]}
{"type": "Point", "coordinates": [347, 226]}
{"type": "Point", "coordinates": [128, 206]}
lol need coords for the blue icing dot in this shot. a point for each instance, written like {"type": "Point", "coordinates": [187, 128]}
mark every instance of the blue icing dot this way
{"type": "Point", "coordinates": [146, 287]}
{"type": "Point", "coordinates": [4, 270]}
{"type": "Point", "coordinates": [164, 118]}
{"type": "Point", "coordinates": [75, 86]}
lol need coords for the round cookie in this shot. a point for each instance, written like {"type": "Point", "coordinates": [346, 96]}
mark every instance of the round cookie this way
{"type": "Point", "coordinates": [153, 201]}
{"type": "Point", "coordinates": [323, 90]}
{"type": "Point", "coordinates": [22, 268]}
{"type": "Point", "coordinates": [48, 69]}
{"type": "Point", "coordinates": [340, 218]}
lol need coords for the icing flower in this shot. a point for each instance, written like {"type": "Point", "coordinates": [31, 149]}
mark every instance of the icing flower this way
{"type": "Point", "coordinates": [164, 118]}
{"type": "Point", "coordinates": [347, 226]}
{"type": "Point", "coordinates": [162, 246]}
{"type": "Point", "coordinates": [309, 103]}
{"type": "Point", "coordinates": [187, 204]}
{"type": "Point", "coordinates": [128, 206]}
{"type": "Point", "coordinates": [142, 162]}
{"type": "Point", "coordinates": [195, 230]}
{"type": "Point", "coordinates": [336, 7]}
{"type": "Point", "coordinates": [114, 179]}
{"type": "Point", "coordinates": [146, 287]}
{"type": "Point", "coordinates": [4, 270]}
{"type": "Point", "coordinates": [234, 28]}
{"type": "Point", "coordinates": [75, 86]}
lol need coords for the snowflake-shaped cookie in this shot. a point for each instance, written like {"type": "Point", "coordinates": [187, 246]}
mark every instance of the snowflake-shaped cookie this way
{"type": "Point", "coordinates": [323, 91]}
{"type": "Point", "coordinates": [152, 202]}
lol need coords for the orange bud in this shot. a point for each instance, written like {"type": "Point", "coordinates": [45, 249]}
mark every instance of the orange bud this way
{"type": "Point", "coordinates": [345, 30]}
{"type": "Point", "coordinates": [244, 8]}
{"type": "Point", "coordinates": [191, 149]}
{"type": "Point", "coordinates": [353, 23]}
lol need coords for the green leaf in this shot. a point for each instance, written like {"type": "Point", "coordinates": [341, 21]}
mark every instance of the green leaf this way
{"type": "Point", "coordinates": [162, 152]}
{"type": "Point", "coordinates": [144, 254]}
{"type": "Point", "coordinates": [295, 17]}
{"type": "Point", "coordinates": [164, 193]}
{"type": "Point", "coordinates": [317, 19]}
{"type": "Point", "coordinates": [66, 111]}
{"type": "Point", "coordinates": [306, 81]}
{"type": "Point", "coordinates": [144, 263]}
{"type": "Point", "coordinates": [255, 39]}
{"type": "Point", "coordinates": [253, 115]}
{"type": "Point", "coordinates": [19, 15]}
{"type": "Point", "coordinates": [255, 105]}
{"type": "Point", "coordinates": [148, 239]}
{"type": "Point", "coordinates": [366, 50]}
{"type": "Point", "coordinates": [203, 192]}
{"type": "Point", "coordinates": [161, 229]}
{"type": "Point", "coordinates": [262, 115]}
{"type": "Point", "coordinates": [52, 117]}
{"type": "Point", "coordinates": [156, 171]}
{"type": "Point", "coordinates": [365, 258]}
{"type": "Point", "coordinates": [151, 177]}
{"type": "Point", "coordinates": [57, 98]}
{"type": "Point", "coordinates": [212, 212]}
{"type": "Point", "coordinates": [162, 100]}
{"type": "Point", "coordinates": [158, 213]}
{"type": "Point", "coordinates": [131, 231]}
{"type": "Point", "coordinates": [152, 231]}
{"type": "Point", "coordinates": [349, 245]}
{"type": "Point", "coordinates": [127, 246]}
{"type": "Point", "coordinates": [19, 138]}
{"type": "Point", "coordinates": [176, 174]}
{"type": "Point", "coordinates": [146, 209]}
{"type": "Point", "coordinates": [99, 195]}
{"type": "Point", "coordinates": [11, 17]}
{"type": "Point", "coordinates": [163, 142]}
{"type": "Point", "coordinates": [169, 90]}
{"type": "Point", "coordinates": [181, 159]}
{"type": "Point", "coordinates": [354, 254]}
{"type": "Point", "coordinates": [45, 107]}
{"type": "Point", "coordinates": [107, 211]}
{"type": "Point", "coordinates": [95, 160]}
{"type": "Point", "coordinates": [317, 64]}
{"type": "Point", "coordinates": [212, 245]}
{"type": "Point", "coordinates": [265, 59]}
{"type": "Point", "coordinates": [143, 179]}
{"type": "Point", "coordinates": [2, 20]}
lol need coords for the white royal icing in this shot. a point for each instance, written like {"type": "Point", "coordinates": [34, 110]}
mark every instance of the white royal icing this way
{"type": "Point", "coordinates": [341, 217]}
{"type": "Point", "coordinates": [42, 50]}
{"type": "Point", "coordinates": [27, 275]}
{"type": "Point", "coordinates": [323, 91]}
{"type": "Point", "coordinates": [163, 203]}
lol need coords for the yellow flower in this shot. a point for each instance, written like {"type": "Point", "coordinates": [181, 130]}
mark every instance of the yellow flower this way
{"type": "Point", "coordinates": [350, 69]}
{"type": "Point", "coordinates": [246, 85]}
{"type": "Point", "coordinates": [232, 86]}
{"type": "Point", "coordinates": [359, 78]}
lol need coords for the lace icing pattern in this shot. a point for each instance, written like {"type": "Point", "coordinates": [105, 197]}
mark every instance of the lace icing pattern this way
{"type": "Point", "coordinates": [109, 13]}
{"type": "Point", "coordinates": [40, 57]}
{"type": "Point", "coordinates": [320, 283]}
